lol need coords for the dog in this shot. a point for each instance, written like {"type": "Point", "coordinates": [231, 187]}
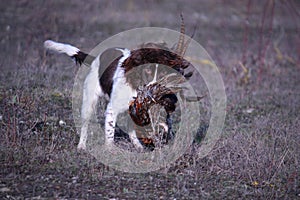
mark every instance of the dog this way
{"type": "Point", "coordinates": [114, 82]}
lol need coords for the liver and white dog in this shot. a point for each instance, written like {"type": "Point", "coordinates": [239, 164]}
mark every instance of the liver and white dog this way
{"type": "Point", "coordinates": [114, 83]}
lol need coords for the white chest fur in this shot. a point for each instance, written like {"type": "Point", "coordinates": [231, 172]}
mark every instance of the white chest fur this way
{"type": "Point", "coordinates": [121, 95]}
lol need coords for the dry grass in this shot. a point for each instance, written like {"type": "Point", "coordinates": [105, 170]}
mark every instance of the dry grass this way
{"type": "Point", "coordinates": [258, 154]}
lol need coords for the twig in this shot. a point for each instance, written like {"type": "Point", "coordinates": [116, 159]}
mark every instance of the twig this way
{"type": "Point", "coordinates": [280, 163]}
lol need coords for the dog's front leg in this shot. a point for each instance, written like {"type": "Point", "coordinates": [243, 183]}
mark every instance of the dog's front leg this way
{"type": "Point", "coordinates": [110, 124]}
{"type": "Point", "coordinates": [135, 140]}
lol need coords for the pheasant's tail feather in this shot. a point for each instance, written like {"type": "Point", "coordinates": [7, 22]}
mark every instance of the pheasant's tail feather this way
{"type": "Point", "coordinates": [181, 37]}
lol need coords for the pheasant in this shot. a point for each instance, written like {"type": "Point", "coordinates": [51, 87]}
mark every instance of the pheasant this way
{"type": "Point", "coordinates": [150, 98]}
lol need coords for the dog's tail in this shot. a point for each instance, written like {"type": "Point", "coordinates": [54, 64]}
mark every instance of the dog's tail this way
{"type": "Point", "coordinates": [68, 49]}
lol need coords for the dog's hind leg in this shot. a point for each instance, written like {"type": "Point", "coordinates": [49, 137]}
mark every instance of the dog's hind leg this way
{"type": "Point", "coordinates": [91, 93]}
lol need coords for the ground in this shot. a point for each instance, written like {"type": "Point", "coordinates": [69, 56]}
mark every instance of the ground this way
{"type": "Point", "coordinates": [256, 46]}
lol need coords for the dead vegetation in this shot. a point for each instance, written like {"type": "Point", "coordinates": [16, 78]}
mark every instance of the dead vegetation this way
{"type": "Point", "coordinates": [255, 45]}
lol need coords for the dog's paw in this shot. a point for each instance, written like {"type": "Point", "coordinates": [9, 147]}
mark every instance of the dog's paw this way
{"type": "Point", "coordinates": [81, 146]}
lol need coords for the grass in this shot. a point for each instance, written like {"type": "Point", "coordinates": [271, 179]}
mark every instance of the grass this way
{"type": "Point", "coordinates": [257, 155]}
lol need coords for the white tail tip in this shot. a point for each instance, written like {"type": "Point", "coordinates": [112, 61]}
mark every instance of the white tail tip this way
{"type": "Point", "coordinates": [61, 48]}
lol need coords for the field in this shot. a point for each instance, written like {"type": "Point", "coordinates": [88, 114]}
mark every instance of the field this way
{"type": "Point", "coordinates": [256, 46]}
